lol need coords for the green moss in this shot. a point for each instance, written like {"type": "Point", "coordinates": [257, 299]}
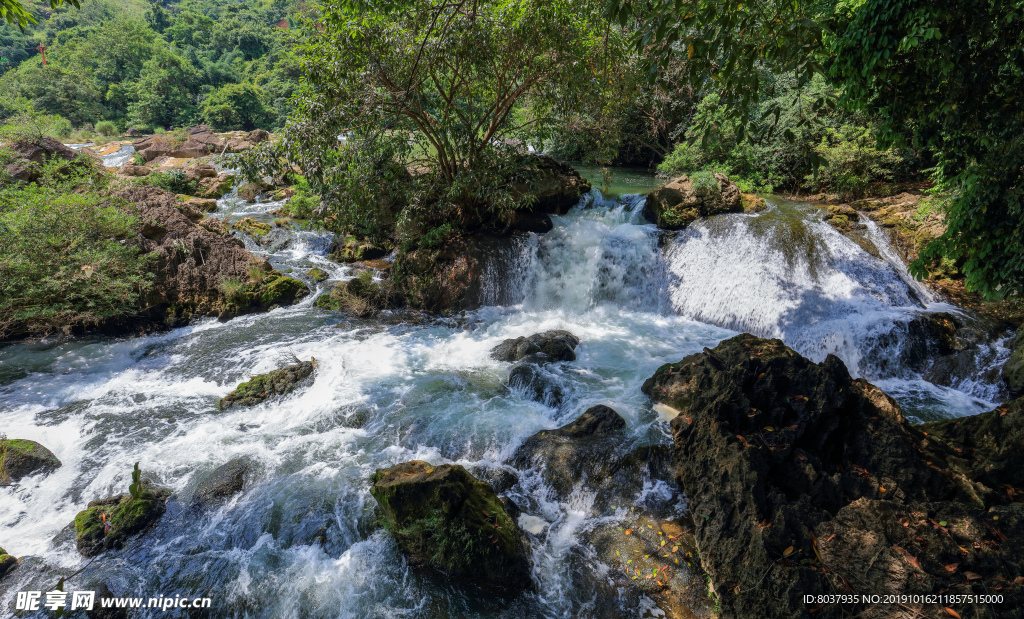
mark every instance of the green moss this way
{"type": "Point", "coordinates": [278, 291]}
{"type": "Point", "coordinates": [107, 524]}
{"type": "Point", "coordinates": [677, 217]}
{"type": "Point", "coordinates": [317, 275]}
{"type": "Point", "coordinates": [250, 226]}
{"type": "Point", "coordinates": [265, 386]}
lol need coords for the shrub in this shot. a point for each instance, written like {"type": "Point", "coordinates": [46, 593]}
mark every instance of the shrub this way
{"type": "Point", "coordinates": [106, 128]}
{"type": "Point", "coordinates": [66, 256]}
{"type": "Point", "coordinates": [703, 182]}
{"type": "Point", "coordinates": [436, 237]}
{"type": "Point", "coordinates": [852, 163]}
{"type": "Point", "coordinates": [30, 124]}
{"type": "Point", "coordinates": [683, 159]}
{"type": "Point", "coordinates": [174, 181]}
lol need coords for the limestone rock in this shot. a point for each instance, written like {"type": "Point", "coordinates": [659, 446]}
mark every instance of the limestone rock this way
{"type": "Point", "coordinates": [21, 458]}
{"type": "Point", "coordinates": [679, 203]}
{"type": "Point", "coordinates": [108, 523]}
{"type": "Point", "coordinates": [222, 482]}
{"type": "Point", "coordinates": [265, 386]}
{"type": "Point", "coordinates": [555, 345]}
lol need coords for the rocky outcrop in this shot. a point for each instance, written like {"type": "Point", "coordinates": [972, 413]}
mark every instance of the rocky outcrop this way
{"type": "Point", "coordinates": [198, 141]}
{"type": "Point", "coordinates": [21, 458]}
{"type": "Point", "coordinates": [108, 523]}
{"type": "Point", "coordinates": [802, 480]}
{"type": "Point", "coordinates": [191, 263]}
{"type": "Point", "coordinates": [265, 386]}
{"type": "Point", "coordinates": [257, 136]}
{"type": "Point", "coordinates": [549, 185]}
{"type": "Point", "coordinates": [554, 345]}
{"type": "Point", "coordinates": [130, 169]}
{"type": "Point", "coordinates": [132, 132]}
{"type": "Point", "coordinates": [30, 155]}
{"type": "Point", "coordinates": [361, 297]}
{"type": "Point", "coordinates": [221, 483]}
{"type": "Point", "coordinates": [444, 518]}
{"type": "Point", "coordinates": [679, 203]}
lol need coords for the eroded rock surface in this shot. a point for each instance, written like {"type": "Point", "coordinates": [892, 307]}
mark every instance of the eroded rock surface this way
{"type": "Point", "coordinates": [108, 523]}
{"type": "Point", "coordinates": [265, 386]}
{"type": "Point", "coordinates": [555, 345]}
{"type": "Point", "coordinates": [21, 457]}
{"type": "Point", "coordinates": [679, 203]}
{"type": "Point", "coordinates": [802, 480]}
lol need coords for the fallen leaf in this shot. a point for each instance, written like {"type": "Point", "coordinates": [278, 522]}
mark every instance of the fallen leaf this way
{"type": "Point", "coordinates": [972, 576]}
{"type": "Point", "coordinates": [952, 567]}
{"type": "Point", "coordinates": [881, 489]}
{"type": "Point", "coordinates": [909, 557]}
{"type": "Point", "coordinates": [769, 428]}
{"type": "Point", "coordinates": [951, 612]}
{"type": "Point", "coordinates": [628, 531]}
{"type": "Point", "coordinates": [1018, 580]}
{"type": "Point", "coordinates": [787, 551]}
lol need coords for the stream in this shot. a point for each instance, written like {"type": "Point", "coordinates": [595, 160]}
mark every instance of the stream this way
{"type": "Point", "coordinates": [301, 540]}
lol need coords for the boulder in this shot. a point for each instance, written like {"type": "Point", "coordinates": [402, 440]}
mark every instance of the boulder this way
{"type": "Point", "coordinates": [265, 386]}
{"type": "Point", "coordinates": [802, 480]}
{"type": "Point", "coordinates": [536, 382]}
{"type": "Point", "coordinates": [21, 458]}
{"type": "Point", "coordinates": [132, 132]}
{"type": "Point", "coordinates": [255, 229]}
{"type": "Point", "coordinates": [1013, 370]}
{"type": "Point", "coordinates": [361, 296]}
{"type": "Point", "coordinates": [108, 523]}
{"type": "Point", "coordinates": [554, 345]}
{"type": "Point", "coordinates": [130, 169]}
{"type": "Point", "coordinates": [317, 275]}
{"type": "Point", "coordinates": [30, 155]}
{"type": "Point", "coordinates": [444, 518]}
{"type": "Point", "coordinates": [216, 187]}
{"type": "Point", "coordinates": [199, 171]}
{"type": "Point", "coordinates": [550, 185]}
{"type": "Point", "coordinates": [221, 483]}
{"type": "Point", "coordinates": [571, 455]}
{"type": "Point", "coordinates": [679, 203]}
{"type": "Point", "coordinates": [195, 208]}
{"type": "Point", "coordinates": [7, 563]}
{"type": "Point", "coordinates": [257, 136]}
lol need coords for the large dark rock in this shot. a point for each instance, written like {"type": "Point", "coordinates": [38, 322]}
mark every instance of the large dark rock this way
{"type": "Point", "coordinates": [535, 381]}
{"type": "Point", "coordinates": [7, 563]}
{"type": "Point", "coordinates": [802, 480]}
{"type": "Point", "coordinates": [265, 386]}
{"type": "Point", "coordinates": [679, 203]}
{"type": "Point", "coordinates": [21, 458]}
{"type": "Point", "coordinates": [555, 345]}
{"type": "Point", "coordinates": [550, 185]}
{"type": "Point", "coordinates": [31, 155]}
{"type": "Point", "coordinates": [221, 483]}
{"type": "Point", "coordinates": [1013, 370]}
{"type": "Point", "coordinates": [444, 518]}
{"type": "Point", "coordinates": [108, 523]}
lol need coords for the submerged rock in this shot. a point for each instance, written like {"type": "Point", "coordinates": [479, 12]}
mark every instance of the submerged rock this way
{"type": "Point", "coordinates": [108, 523]}
{"type": "Point", "coordinates": [537, 382]}
{"type": "Point", "coordinates": [444, 518]}
{"type": "Point", "coordinates": [222, 482]}
{"type": "Point", "coordinates": [802, 480]}
{"type": "Point", "coordinates": [21, 458]}
{"type": "Point", "coordinates": [265, 386]}
{"type": "Point", "coordinates": [554, 345]}
{"type": "Point", "coordinates": [679, 203]}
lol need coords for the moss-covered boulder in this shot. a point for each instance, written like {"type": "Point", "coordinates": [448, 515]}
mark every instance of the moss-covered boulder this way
{"type": "Point", "coordinates": [269, 385]}
{"type": "Point", "coordinates": [556, 345]}
{"type": "Point", "coordinates": [280, 290]}
{"type": "Point", "coordinates": [360, 296]}
{"type": "Point", "coordinates": [752, 203]}
{"type": "Point", "coordinates": [7, 563]}
{"type": "Point", "coordinates": [349, 249]}
{"type": "Point", "coordinates": [444, 518]}
{"type": "Point", "coordinates": [21, 458]}
{"type": "Point", "coordinates": [317, 275]}
{"type": "Point", "coordinates": [679, 203]}
{"type": "Point", "coordinates": [216, 187]}
{"type": "Point", "coordinates": [250, 226]}
{"type": "Point", "coordinates": [108, 523]}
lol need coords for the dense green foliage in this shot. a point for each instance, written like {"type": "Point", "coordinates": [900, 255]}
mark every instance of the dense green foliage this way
{"type": "Point", "coordinates": [65, 259]}
{"type": "Point", "coordinates": [943, 77]}
{"type": "Point", "coordinates": [453, 88]}
{"type": "Point", "coordinates": [134, 64]}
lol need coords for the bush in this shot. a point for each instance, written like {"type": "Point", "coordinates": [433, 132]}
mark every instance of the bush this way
{"type": "Point", "coordinates": [66, 259]}
{"type": "Point", "coordinates": [29, 124]}
{"type": "Point", "coordinates": [174, 181]}
{"type": "Point", "coordinates": [852, 163]}
{"type": "Point", "coordinates": [683, 159]}
{"type": "Point", "coordinates": [106, 128]}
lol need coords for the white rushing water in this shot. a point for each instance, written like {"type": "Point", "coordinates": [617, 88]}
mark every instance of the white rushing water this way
{"type": "Point", "coordinates": [300, 541]}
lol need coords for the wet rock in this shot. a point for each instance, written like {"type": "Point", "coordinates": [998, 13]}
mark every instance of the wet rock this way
{"type": "Point", "coordinates": [444, 518]}
{"type": "Point", "coordinates": [537, 382]}
{"type": "Point", "coordinates": [274, 240]}
{"type": "Point", "coordinates": [570, 455]}
{"type": "Point", "coordinates": [792, 466]}
{"type": "Point", "coordinates": [21, 458]}
{"type": "Point", "coordinates": [348, 249]}
{"type": "Point", "coordinates": [844, 218]}
{"type": "Point", "coordinates": [108, 523]}
{"type": "Point", "coordinates": [551, 186]}
{"type": "Point", "coordinates": [255, 229]}
{"type": "Point", "coordinates": [7, 563]}
{"type": "Point", "coordinates": [221, 483]}
{"type": "Point", "coordinates": [1013, 370]}
{"type": "Point", "coordinates": [30, 155]}
{"type": "Point", "coordinates": [265, 386]}
{"type": "Point", "coordinates": [679, 203]}
{"type": "Point", "coordinates": [554, 345]}
{"type": "Point", "coordinates": [216, 187]}
{"type": "Point", "coordinates": [317, 275]}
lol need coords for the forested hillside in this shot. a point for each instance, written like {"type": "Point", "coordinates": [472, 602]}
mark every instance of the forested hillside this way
{"type": "Point", "coordinates": [115, 64]}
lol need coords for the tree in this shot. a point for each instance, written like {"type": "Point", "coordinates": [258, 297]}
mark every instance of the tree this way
{"type": "Point", "coordinates": [15, 13]}
{"type": "Point", "coordinates": [164, 94]}
{"type": "Point", "coordinates": [234, 107]}
{"type": "Point", "coordinates": [452, 86]}
{"type": "Point", "coordinates": [944, 76]}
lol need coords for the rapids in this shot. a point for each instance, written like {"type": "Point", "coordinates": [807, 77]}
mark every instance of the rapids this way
{"type": "Point", "coordinates": [301, 542]}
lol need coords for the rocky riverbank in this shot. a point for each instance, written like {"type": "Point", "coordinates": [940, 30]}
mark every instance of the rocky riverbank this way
{"type": "Point", "coordinates": [803, 481]}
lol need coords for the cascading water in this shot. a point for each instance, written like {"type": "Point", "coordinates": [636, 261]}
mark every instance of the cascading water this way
{"type": "Point", "coordinates": [300, 540]}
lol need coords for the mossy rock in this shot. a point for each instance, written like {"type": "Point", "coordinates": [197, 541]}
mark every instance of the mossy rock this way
{"type": "Point", "coordinates": [317, 275]}
{"type": "Point", "coordinates": [281, 290]}
{"type": "Point", "coordinates": [107, 523]}
{"type": "Point", "coordinates": [360, 296]}
{"type": "Point", "coordinates": [752, 203]}
{"type": "Point", "coordinates": [265, 386]}
{"type": "Point", "coordinates": [351, 249]}
{"type": "Point", "coordinates": [250, 226]}
{"type": "Point", "coordinates": [21, 458]}
{"type": "Point", "coordinates": [7, 563]}
{"type": "Point", "coordinates": [680, 202]}
{"type": "Point", "coordinates": [444, 518]}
